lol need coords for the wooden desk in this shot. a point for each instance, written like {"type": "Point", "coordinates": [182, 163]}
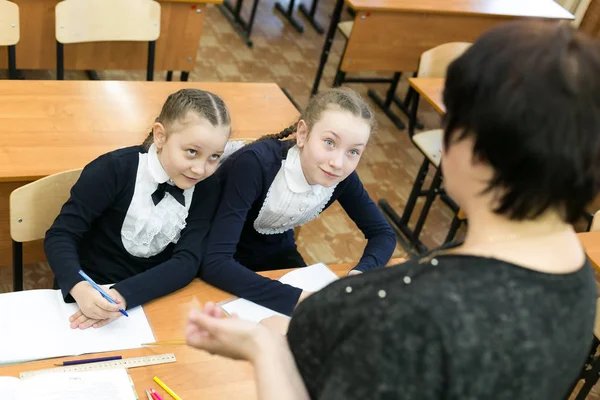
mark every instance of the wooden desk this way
{"type": "Point", "coordinates": [52, 126]}
{"type": "Point", "coordinates": [181, 27]}
{"type": "Point", "coordinates": [591, 244]}
{"type": "Point", "coordinates": [432, 90]}
{"type": "Point", "coordinates": [196, 374]}
{"type": "Point", "coordinates": [391, 35]}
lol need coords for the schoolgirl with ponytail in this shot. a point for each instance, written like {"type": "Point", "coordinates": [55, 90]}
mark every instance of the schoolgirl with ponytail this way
{"type": "Point", "coordinates": [278, 183]}
{"type": "Point", "coordinates": [138, 216]}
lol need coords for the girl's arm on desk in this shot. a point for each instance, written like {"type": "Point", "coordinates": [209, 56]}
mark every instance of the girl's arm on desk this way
{"type": "Point", "coordinates": [366, 215]}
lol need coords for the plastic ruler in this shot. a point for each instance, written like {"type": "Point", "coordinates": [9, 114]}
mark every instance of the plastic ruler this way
{"type": "Point", "coordinates": [133, 362]}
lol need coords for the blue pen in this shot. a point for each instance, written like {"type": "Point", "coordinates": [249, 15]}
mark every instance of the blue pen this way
{"type": "Point", "coordinates": [102, 292]}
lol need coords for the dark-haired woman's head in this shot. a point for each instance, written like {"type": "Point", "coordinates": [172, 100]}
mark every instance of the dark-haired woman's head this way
{"type": "Point", "coordinates": [522, 127]}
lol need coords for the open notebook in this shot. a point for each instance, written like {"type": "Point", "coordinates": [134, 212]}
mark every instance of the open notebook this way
{"type": "Point", "coordinates": [312, 279]}
{"type": "Point", "coordinates": [113, 384]}
{"type": "Point", "coordinates": [35, 325]}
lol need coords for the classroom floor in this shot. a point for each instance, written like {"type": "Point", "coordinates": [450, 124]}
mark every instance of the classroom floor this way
{"type": "Point", "coordinates": [290, 59]}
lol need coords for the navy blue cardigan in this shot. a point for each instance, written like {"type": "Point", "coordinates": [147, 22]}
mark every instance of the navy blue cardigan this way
{"type": "Point", "coordinates": [247, 176]}
{"type": "Point", "coordinates": [87, 233]}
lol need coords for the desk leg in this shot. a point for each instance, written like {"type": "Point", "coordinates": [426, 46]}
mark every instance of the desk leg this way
{"type": "Point", "coordinates": [288, 14]}
{"type": "Point", "coordinates": [335, 19]}
{"type": "Point", "coordinates": [310, 16]}
{"type": "Point", "coordinates": [401, 223]}
{"type": "Point", "coordinates": [184, 76]}
{"type": "Point", "coordinates": [169, 77]}
{"type": "Point", "coordinates": [387, 103]}
{"type": "Point", "coordinates": [92, 74]}
{"type": "Point", "coordinates": [233, 15]}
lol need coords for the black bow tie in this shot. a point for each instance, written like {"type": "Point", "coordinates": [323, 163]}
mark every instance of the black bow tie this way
{"type": "Point", "coordinates": [176, 192]}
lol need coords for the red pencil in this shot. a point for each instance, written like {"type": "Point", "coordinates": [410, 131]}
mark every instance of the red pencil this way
{"type": "Point", "coordinates": [154, 394]}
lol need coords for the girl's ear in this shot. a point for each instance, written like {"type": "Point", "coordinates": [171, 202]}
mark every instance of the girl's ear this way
{"type": "Point", "coordinates": [301, 133]}
{"type": "Point", "coordinates": [160, 135]}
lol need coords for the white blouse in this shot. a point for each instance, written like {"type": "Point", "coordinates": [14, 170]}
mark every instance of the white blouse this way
{"type": "Point", "coordinates": [291, 201]}
{"type": "Point", "coordinates": [148, 229]}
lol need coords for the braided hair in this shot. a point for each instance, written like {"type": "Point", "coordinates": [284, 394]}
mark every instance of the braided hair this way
{"type": "Point", "coordinates": [204, 104]}
{"type": "Point", "coordinates": [343, 98]}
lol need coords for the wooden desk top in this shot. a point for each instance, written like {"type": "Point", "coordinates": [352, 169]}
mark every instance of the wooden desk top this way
{"type": "Point", "coordinates": [53, 126]}
{"type": "Point", "coordinates": [196, 374]}
{"type": "Point", "coordinates": [591, 244]}
{"type": "Point", "coordinates": [489, 8]}
{"type": "Point", "coordinates": [432, 90]}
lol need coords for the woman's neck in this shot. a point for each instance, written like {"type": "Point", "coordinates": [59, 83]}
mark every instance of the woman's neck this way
{"type": "Point", "coordinates": [485, 226]}
{"type": "Point", "coordinates": [545, 244]}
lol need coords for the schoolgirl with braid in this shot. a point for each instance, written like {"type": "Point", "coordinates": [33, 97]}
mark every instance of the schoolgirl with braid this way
{"type": "Point", "coordinates": [138, 216]}
{"type": "Point", "coordinates": [274, 185]}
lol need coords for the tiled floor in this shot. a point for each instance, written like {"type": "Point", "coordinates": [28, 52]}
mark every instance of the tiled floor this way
{"type": "Point", "coordinates": [290, 59]}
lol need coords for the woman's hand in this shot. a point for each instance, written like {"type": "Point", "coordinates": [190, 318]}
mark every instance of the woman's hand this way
{"type": "Point", "coordinates": [234, 338]}
{"type": "Point", "coordinates": [94, 310]}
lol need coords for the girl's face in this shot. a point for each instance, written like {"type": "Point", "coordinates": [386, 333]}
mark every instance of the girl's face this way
{"type": "Point", "coordinates": [191, 151]}
{"type": "Point", "coordinates": [332, 149]}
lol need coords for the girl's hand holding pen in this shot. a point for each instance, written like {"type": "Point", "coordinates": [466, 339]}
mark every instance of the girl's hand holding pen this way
{"type": "Point", "coordinates": [94, 310]}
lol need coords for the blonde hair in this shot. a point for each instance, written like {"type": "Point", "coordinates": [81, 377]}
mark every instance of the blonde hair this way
{"type": "Point", "coordinates": [343, 97]}
{"type": "Point", "coordinates": [202, 103]}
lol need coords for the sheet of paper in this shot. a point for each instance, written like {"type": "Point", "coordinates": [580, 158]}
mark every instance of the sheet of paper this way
{"type": "Point", "coordinates": [312, 279]}
{"type": "Point", "coordinates": [245, 309]}
{"type": "Point", "coordinates": [35, 325]}
{"type": "Point", "coordinates": [113, 384]}
{"type": "Point", "coordinates": [123, 333]}
{"type": "Point", "coordinates": [32, 326]}
{"type": "Point", "coordinates": [10, 387]}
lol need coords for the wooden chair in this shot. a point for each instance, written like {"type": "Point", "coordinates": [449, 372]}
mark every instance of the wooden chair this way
{"type": "Point", "coordinates": [433, 64]}
{"type": "Point", "coordinates": [33, 209]}
{"type": "Point", "coordinates": [576, 7]}
{"type": "Point", "coordinates": [10, 33]}
{"type": "Point", "coordinates": [591, 369]}
{"type": "Point", "coordinates": [595, 225]}
{"type": "Point", "coordinates": [105, 21]}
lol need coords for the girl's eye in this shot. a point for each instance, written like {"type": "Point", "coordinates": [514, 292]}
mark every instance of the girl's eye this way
{"type": "Point", "coordinates": [354, 153]}
{"type": "Point", "coordinates": [214, 157]}
{"type": "Point", "coordinates": [192, 152]}
{"type": "Point", "coordinates": [329, 142]}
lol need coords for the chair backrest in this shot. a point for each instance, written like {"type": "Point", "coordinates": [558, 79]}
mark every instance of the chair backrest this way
{"type": "Point", "coordinates": [595, 225]}
{"type": "Point", "coordinates": [575, 7]}
{"type": "Point", "coordinates": [434, 62]}
{"type": "Point", "coordinates": [34, 207]}
{"type": "Point", "coordinates": [80, 21]}
{"type": "Point", "coordinates": [9, 23]}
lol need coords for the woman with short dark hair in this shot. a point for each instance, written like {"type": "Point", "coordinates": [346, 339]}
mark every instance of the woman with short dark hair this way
{"type": "Point", "coordinates": [508, 313]}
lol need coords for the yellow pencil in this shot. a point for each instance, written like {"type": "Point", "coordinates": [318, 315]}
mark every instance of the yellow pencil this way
{"type": "Point", "coordinates": [166, 388]}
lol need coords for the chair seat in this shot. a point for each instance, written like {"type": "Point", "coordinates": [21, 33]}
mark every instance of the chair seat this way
{"type": "Point", "coordinates": [346, 28]}
{"type": "Point", "coordinates": [430, 144]}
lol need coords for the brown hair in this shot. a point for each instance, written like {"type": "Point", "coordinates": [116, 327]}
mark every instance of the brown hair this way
{"type": "Point", "coordinates": [204, 104]}
{"type": "Point", "coordinates": [343, 97]}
